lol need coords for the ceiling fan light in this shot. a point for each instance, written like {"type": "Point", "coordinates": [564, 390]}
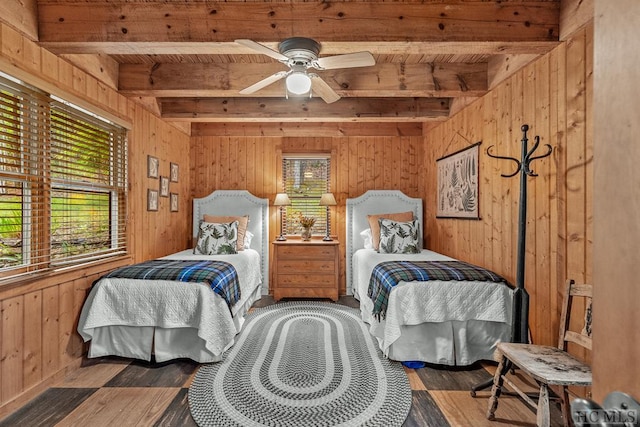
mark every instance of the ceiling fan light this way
{"type": "Point", "coordinates": [298, 83]}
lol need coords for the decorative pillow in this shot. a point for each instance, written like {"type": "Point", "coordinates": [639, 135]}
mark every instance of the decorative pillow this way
{"type": "Point", "coordinates": [399, 237]}
{"type": "Point", "coordinates": [217, 238]}
{"type": "Point", "coordinates": [375, 227]}
{"type": "Point", "coordinates": [366, 235]}
{"type": "Point", "coordinates": [248, 236]}
{"type": "Point", "coordinates": [243, 221]}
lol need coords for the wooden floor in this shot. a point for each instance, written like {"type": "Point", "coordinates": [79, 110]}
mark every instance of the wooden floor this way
{"type": "Point", "coordinates": [121, 392]}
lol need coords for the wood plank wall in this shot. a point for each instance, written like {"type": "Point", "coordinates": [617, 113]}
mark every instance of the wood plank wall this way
{"type": "Point", "coordinates": [360, 163]}
{"type": "Point", "coordinates": [617, 177]}
{"type": "Point", "coordinates": [553, 95]}
{"type": "Point", "coordinates": [38, 338]}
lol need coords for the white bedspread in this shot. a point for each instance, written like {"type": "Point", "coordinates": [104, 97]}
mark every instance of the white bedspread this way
{"type": "Point", "coordinates": [169, 304]}
{"type": "Point", "coordinates": [412, 303]}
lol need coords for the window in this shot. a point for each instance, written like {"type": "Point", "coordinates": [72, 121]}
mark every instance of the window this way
{"type": "Point", "coordinates": [306, 178]}
{"type": "Point", "coordinates": [62, 182]}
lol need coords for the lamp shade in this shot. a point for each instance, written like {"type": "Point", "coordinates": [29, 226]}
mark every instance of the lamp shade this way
{"type": "Point", "coordinates": [298, 83]}
{"type": "Point", "coordinates": [327, 199]}
{"type": "Point", "coordinates": [282, 199]}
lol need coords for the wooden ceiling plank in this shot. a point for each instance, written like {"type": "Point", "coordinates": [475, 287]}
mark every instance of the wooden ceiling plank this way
{"type": "Point", "coordinates": [304, 109]}
{"type": "Point", "coordinates": [452, 20]}
{"type": "Point", "coordinates": [393, 80]}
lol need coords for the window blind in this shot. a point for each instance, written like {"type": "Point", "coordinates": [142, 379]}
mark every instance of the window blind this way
{"type": "Point", "coordinates": [23, 204]}
{"type": "Point", "coordinates": [62, 182]}
{"type": "Point", "coordinates": [305, 179]}
{"type": "Point", "coordinates": [88, 182]}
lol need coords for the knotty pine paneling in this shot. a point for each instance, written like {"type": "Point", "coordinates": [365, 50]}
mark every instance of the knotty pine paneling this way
{"type": "Point", "coordinates": [553, 95]}
{"type": "Point", "coordinates": [38, 340]}
{"type": "Point", "coordinates": [359, 163]}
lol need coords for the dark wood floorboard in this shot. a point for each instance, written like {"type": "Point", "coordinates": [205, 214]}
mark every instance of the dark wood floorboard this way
{"type": "Point", "coordinates": [424, 411]}
{"type": "Point", "coordinates": [178, 413]}
{"type": "Point", "coordinates": [49, 408]}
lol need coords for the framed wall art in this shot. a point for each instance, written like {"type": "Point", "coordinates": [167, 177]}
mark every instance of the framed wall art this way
{"type": "Point", "coordinates": [458, 184]}
{"type": "Point", "coordinates": [164, 186]}
{"type": "Point", "coordinates": [173, 198]}
{"type": "Point", "coordinates": [174, 169]}
{"type": "Point", "coordinates": [152, 200]}
{"type": "Point", "coordinates": [153, 165]}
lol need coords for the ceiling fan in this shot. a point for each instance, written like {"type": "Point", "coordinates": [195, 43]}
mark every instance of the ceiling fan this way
{"type": "Point", "coordinates": [300, 54]}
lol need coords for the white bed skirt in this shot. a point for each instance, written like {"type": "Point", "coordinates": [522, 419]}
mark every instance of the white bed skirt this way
{"type": "Point", "coordinates": [141, 342]}
{"type": "Point", "coordinates": [454, 343]}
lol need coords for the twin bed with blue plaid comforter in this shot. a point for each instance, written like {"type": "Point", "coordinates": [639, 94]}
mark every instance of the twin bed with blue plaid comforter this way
{"type": "Point", "coordinates": [180, 306]}
{"type": "Point", "coordinates": [432, 308]}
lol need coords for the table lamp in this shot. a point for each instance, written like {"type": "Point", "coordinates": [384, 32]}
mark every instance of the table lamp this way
{"type": "Point", "coordinates": [282, 199]}
{"type": "Point", "coordinates": [328, 200]}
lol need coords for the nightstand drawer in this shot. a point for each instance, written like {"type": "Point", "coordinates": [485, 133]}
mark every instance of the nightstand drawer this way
{"type": "Point", "coordinates": [306, 280]}
{"type": "Point", "coordinates": [306, 252]}
{"type": "Point", "coordinates": [304, 266]}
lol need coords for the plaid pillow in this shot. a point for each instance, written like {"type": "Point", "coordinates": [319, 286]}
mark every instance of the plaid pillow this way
{"type": "Point", "coordinates": [399, 237]}
{"type": "Point", "coordinates": [217, 238]}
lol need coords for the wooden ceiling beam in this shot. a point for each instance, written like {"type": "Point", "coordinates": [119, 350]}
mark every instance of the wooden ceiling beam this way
{"type": "Point", "coordinates": [317, 130]}
{"type": "Point", "coordinates": [382, 80]}
{"type": "Point", "coordinates": [210, 21]}
{"type": "Point", "coordinates": [304, 109]}
{"type": "Point", "coordinates": [328, 47]}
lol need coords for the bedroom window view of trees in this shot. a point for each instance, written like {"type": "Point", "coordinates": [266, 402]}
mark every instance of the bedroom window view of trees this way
{"type": "Point", "coordinates": [305, 180]}
{"type": "Point", "coordinates": [62, 182]}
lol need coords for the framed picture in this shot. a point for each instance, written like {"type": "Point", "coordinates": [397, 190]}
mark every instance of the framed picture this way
{"type": "Point", "coordinates": [152, 200]}
{"type": "Point", "coordinates": [174, 202]}
{"type": "Point", "coordinates": [173, 175]}
{"type": "Point", "coordinates": [152, 167]}
{"type": "Point", "coordinates": [458, 184]}
{"type": "Point", "coordinates": [164, 186]}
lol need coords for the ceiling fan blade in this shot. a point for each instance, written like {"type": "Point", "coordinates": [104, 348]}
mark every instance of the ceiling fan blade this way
{"type": "Point", "coordinates": [349, 60]}
{"type": "Point", "coordinates": [264, 82]}
{"type": "Point", "coordinates": [262, 49]}
{"type": "Point", "coordinates": [322, 89]}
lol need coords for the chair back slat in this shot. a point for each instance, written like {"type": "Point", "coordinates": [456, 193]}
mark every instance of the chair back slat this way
{"type": "Point", "coordinates": [581, 290]}
{"type": "Point", "coordinates": [573, 290]}
{"type": "Point", "coordinates": [574, 337]}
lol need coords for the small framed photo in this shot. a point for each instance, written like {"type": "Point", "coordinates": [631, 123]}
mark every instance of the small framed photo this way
{"type": "Point", "coordinates": [174, 202]}
{"type": "Point", "coordinates": [164, 186]}
{"type": "Point", "coordinates": [173, 175]}
{"type": "Point", "coordinates": [152, 167]}
{"type": "Point", "coordinates": [152, 200]}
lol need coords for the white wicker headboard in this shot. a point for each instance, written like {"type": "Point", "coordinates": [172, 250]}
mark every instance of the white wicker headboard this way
{"type": "Point", "coordinates": [374, 202]}
{"type": "Point", "coordinates": [236, 203]}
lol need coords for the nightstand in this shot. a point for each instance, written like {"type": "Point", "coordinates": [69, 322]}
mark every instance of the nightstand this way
{"type": "Point", "coordinates": [306, 269]}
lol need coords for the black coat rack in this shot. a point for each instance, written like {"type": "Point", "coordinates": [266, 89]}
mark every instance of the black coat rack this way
{"type": "Point", "coordinates": [520, 327]}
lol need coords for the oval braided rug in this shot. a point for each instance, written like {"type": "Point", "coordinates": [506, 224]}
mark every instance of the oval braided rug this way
{"type": "Point", "coordinates": [302, 364]}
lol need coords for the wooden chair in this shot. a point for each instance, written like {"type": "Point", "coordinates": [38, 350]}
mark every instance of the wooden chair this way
{"type": "Point", "coordinates": [547, 365]}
